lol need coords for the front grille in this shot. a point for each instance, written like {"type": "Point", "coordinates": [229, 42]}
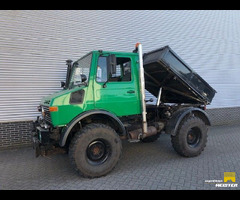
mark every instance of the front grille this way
{"type": "Point", "coordinates": [47, 116]}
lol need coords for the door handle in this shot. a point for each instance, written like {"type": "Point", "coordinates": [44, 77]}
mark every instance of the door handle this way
{"type": "Point", "coordinates": [131, 91]}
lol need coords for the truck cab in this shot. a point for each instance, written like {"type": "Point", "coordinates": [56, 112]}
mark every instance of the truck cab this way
{"type": "Point", "coordinates": [92, 85]}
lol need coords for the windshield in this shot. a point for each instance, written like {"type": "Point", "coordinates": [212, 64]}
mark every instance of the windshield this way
{"type": "Point", "coordinates": [81, 66]}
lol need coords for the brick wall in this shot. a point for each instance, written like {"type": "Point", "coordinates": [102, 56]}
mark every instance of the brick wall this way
{"type": "Point", "coordinates": [15, 134]}
{"type": "Point", "coordinates": [224, 116]}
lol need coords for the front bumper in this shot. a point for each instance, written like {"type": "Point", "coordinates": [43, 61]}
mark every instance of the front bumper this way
{"type": "Point", "coordinates": [40, 139]}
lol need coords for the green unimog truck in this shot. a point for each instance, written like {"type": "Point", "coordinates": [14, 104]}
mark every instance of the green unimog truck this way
{"type": "Point", "coordinates": [103, 102]}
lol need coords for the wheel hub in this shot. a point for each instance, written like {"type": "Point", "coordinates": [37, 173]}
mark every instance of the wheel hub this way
{"type": "Point", "coordinates": [97, 152]}
{"type": "Point", "coordinates": [193, 137]}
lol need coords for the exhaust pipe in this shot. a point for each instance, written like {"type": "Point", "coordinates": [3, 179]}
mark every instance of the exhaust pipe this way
{"type": "Point", "coordinates": [151, 130]}
{"type": "Point", "coordinates": [137, 134]}
{"type": "Point", "coordinates": [142, 88]}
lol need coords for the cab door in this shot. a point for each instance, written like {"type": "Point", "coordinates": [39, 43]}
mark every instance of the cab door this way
{"type": "Point", "coordinates": [117, 93]}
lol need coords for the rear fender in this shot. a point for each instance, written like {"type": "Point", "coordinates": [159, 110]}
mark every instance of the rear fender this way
{"type": "Point", "coordinates": [179, 115]}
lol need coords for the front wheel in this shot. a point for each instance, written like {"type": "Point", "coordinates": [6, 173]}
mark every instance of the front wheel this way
{"type": "Point", "coordinates": [191, 137]}
{"type": "Point", "coordinates": [95, 150]}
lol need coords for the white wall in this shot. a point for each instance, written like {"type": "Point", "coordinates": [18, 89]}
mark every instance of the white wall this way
{"type": "Point", "coordinates": [35, 44]}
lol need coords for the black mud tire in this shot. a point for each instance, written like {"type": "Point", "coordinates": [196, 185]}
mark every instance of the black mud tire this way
{"type": "Point", "coordinates": [191, 137]}
{"type": "Point", "coordinates": [95, 150]}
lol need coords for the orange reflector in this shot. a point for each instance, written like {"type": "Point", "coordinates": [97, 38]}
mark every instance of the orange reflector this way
{"type": "Point", "coordinates": [53, 109]}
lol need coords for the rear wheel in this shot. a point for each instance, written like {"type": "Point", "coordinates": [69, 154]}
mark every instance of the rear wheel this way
{"type": "Point", "coordinates": [95, 150]}
{"type": "Point", "coordinates": [191, 137]}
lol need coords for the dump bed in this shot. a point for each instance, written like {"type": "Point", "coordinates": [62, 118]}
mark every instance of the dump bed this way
{"type": "Point", "coordinates": [164, 69]}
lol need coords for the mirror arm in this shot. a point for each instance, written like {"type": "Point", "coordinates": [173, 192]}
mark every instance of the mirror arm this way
{"type": "Point", "coordinates": [105, 83]}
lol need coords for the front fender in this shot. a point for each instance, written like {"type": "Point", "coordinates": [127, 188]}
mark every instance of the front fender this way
{"type": "Point", "coordinates": [179, 115]}
{"type": "Point", "coordinates": [68, 128]}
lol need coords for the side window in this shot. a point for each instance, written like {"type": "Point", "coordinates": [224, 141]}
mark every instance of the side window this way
{"type": "Point", "coordinates": [123, 70]}
{"type": "Point", "coordinates": [102, 69]}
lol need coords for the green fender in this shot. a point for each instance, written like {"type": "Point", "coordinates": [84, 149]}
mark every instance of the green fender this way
{"type": "Point", "coordinates": [68, 128]}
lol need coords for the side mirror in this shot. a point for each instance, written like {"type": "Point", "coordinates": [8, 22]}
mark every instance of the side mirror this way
{"type": "Point", "coordinates": [62, 84]}
{"type": "Point", "coordinates": [111, 64]}
{"type": "Point", "coordinates": [84, 77]}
